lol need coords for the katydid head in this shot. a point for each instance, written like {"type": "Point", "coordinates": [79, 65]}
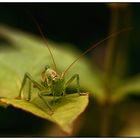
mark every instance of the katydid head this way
{"type": "Point", "coordinates": [49, 73]}
{"type": "Point", "coordinates": [52, 74]}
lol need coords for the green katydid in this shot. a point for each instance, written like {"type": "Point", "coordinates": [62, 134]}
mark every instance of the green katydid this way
{"type": "Point", "coordinates": [53, 83]}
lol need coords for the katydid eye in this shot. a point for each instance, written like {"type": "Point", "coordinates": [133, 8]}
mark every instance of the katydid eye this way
{"type": "Point", "coordinates": [54, 74]}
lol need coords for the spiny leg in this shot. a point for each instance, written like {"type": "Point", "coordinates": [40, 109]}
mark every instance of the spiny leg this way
{"type": "Point", "coordinates": [41, 94]}
{"type": "Point", "coordinates": [75, 76]}
{"type": "Point", "coordinates": [28, 76]}
{"type": "Point", "coordinates": [29, 93]}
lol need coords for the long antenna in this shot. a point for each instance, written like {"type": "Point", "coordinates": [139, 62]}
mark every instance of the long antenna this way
{"type": "Point", "coordinates": [46, 43]}
{"type": "Point", "coordinates": [95, 46]}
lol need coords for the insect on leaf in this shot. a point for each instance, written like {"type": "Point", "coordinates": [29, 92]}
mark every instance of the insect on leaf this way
{"type": "Point", "coordinates": [22, 55]}
{"type": "Point", "coordinates": [30, 55]}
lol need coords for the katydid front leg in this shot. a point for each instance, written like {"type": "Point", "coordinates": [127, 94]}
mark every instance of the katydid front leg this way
{"type": "Point", "coordinates": [44, 93]}
{"type": "Point", "coordinates": [75, 76]}
{"type": "Point", "coordinates": [27, 76]}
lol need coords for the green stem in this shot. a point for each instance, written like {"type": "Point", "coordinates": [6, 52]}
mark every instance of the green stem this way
{"type": "Point", "coordinates": [112, 68]}
{"type": "Point", "coordinates": [106, 106]}
{"type": "Point", "coordinates": [110, 52]}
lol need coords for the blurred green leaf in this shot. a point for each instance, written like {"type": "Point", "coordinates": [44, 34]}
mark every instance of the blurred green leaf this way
{"type": "Point", "coordinates": [129, 86]}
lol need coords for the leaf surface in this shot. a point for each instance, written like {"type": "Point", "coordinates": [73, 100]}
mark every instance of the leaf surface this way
{"type": "Point", "coordinates": [66, 109]}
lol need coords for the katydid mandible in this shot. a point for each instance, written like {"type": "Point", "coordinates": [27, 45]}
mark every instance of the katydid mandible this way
{"type": "Point", "coordinates": [53, 83]}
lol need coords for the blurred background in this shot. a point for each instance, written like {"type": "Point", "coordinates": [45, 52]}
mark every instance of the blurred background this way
{"type": "Point", "coordinates": [80, 24]}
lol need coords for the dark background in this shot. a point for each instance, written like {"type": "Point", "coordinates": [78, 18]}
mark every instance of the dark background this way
{"type": "Point", "coordinates": [78, 23]}
{"type": "Point", "coordinates": [81, 24]}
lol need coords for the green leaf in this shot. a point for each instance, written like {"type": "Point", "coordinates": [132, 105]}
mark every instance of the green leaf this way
{"type": "Point", "coordinates": [25, 53]}
{"type": "Point", "coordinates": [30, 54]}
{"type": "Point", "coordinates": [66, 109]}
{"type": "Point", "coordinates": [129, 86]}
